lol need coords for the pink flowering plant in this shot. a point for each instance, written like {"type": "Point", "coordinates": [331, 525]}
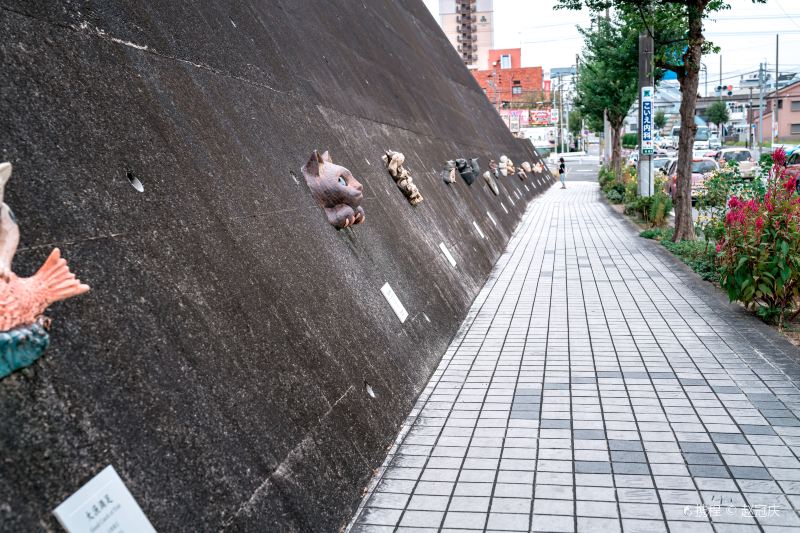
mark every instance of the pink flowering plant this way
{"type": "Point", "coordinates": [759, 251]}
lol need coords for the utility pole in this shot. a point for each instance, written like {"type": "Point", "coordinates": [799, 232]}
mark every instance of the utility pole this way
{"type": "Point", "coordinates": [761, 76]}
{"type": "Point", "coordinates": [560, 113]}
{"type": "Point", "coordinates": [721, 90]}
{"type": "Point", "coordinates": [575, 83]}
{"type": "Point", "coordinates": [775, 124]}
{"type": "Point", "coordinates": [750, 121]}
{"type": "Point", "coordinates": [607, 148]}
{"type": "Point", "coordinates": [646, 97]}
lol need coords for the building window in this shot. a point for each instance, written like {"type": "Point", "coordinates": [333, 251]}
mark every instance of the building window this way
{"type": "Point", "coordinates": [795, 130]}
{"type": "Point", "coordinates": [795, 105]}
{"type": "Point", "coordinates": [517, 89]}
{"type": "Point", "coordinates": [780, 104]}
{"type": "Point", "coordinates": [505, 61]}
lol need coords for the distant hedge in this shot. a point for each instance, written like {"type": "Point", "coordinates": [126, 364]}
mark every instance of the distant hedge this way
{"type": "Point", "coordinates": [630, 140]}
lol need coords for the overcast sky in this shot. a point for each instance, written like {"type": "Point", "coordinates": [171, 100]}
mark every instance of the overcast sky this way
{"type": "Point", "coordinates": [746, 34]}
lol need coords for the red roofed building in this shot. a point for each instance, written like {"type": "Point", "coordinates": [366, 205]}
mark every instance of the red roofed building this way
{"type": "Point", "coordinates": [508, 84]}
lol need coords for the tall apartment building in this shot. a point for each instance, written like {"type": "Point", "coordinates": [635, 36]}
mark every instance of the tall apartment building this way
{"type": "Point", "coordinates": [468, 25]}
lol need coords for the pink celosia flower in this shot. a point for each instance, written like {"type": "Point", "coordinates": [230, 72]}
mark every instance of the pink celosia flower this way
{"type": "Point", "coordinates": [779, 157]}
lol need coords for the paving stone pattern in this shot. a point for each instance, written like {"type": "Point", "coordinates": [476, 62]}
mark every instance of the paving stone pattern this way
{"type": "Point", "coordinates": [597, 385]}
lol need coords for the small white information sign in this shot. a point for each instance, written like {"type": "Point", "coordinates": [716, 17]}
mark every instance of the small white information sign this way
{"type": "Point", "coordinates": [526, 188]}
{"type": "Point", "coordinates": [103, 505]}
{"type": "Point", "coordinates": [394, 302]}
{"type": "Point", "coordinates": [491, 218]}
{"type": "Point", "coordinates": [512, 201]}
{"type": "Point", "coordinates": [447, 254]}
{"type": "Point", "coordinates": [517, 195]}
{"type": "Point", "coordinates": [478, 228]}
{"type": "Point", "coordinates": [504, 207]}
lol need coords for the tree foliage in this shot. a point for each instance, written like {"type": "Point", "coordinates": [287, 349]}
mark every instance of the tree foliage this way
{"type": "Point", "coordinates": [574, 122]}
{"type": "Point", "coordinates": [718, 113]}
{"type": "Point", "coordinates": [677, 30]}
{"type": "Point", "coordinates": [608, 80]}
{"type": "Point", "coordinates": [660, 119]}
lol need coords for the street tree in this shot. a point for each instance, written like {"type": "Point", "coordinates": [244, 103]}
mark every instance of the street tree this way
{"type": "Point", "coordinates": [718, 113]}
{"type": "Point", "coordinates": [660, 119]}
{"type": "Point", "coordinates": [574, 124]}
{"type": "Point", "coordinates": [608, 81]}
{"type": "Point", "coordinates": [681, 55]}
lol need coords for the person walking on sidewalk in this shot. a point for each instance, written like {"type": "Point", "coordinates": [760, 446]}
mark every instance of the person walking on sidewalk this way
{"type": "Point", "coordinates": [562, 172]}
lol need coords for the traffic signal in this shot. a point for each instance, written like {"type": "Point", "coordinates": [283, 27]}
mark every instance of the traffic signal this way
{"type": "Point", "coordinates": [724, 89]}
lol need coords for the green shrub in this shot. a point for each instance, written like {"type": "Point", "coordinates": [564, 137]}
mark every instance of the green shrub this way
{"type": "Point", "coordinates": [614, 196]}
{"type": "Point", "coordinates": [630, 140]}
{"type": "Point", "coordinates": [660, 207]}
{"type": "Point", "coordinates": [657, 233]}
{"type": "Point", "coordinates": [698, 255]}
{"type": "Point", "coordinates": [605, 177]}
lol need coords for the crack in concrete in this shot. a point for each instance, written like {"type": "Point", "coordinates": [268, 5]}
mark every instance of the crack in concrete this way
{"type": "Point", "coordinates": [86, 29]}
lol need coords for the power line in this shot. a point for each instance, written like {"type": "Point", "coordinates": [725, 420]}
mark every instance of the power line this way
{"type": "Point", "coordinates": [791, 17]}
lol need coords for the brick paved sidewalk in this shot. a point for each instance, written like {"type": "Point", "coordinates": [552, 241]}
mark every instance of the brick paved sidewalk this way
{"type": "Point", "coordinates": [597, 385]}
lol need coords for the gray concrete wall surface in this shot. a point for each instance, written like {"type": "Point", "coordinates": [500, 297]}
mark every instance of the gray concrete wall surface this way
{"type": "Point", "coordinates": [219, 362]}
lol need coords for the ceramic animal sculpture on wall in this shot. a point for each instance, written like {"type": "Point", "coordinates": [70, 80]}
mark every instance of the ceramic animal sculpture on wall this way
{"type": "Point", "coordinates": [23, 329]}
{"type": "Point", "coordinates": [538, 167]}
{"type": "Point", "coordinates": [335, 189]}
{"type": "Point", "coordinates": [487, 177]}
{"type": "Point", "coordinates": [465, 170]}
{"type": "Point", "coordinates": [510, 170]}
{"type": "Point", "coordinates": [521, 174]}
{"type": "Point", "coordinates": [476, 169]}
{"type": "Point", "coordinates": [449, 174]}
{"type": "Point", "coordinates": [494, 168]}
{"type": "Point", "coordinates": [402, 177]}
{"type": "Point", "coordinates": [504, 165]}
{"type": "Point", "coordinates": [526, 166]}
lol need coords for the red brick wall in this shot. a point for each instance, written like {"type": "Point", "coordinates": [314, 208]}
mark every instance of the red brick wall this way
{"type": "Point", "coordinates": [529, 78]}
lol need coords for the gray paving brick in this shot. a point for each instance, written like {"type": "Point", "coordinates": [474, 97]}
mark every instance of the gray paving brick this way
{"type": "Point", "coordinates": [596, 383]}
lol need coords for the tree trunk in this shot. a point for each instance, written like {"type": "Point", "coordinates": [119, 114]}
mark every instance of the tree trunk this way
{"type": "Point", "coordinates": [684, 227]}
{"type": "Point", "coordinates": [616, 151]}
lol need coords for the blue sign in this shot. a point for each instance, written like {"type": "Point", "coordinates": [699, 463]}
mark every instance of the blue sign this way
{"type": "Point", "coordinates": [647, 145]}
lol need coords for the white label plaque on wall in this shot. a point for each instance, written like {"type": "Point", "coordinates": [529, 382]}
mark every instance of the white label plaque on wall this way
{"type": "Point", "coordinates": [504, 207]}
{"type": "Point", "coordinates": [447, 254]}
{"type": "Point", "coordinates": [394, 301]}
{"type": "Point", "coordinates": [103, 505]}
{"type": "Point", "coordinates": [491, 218]}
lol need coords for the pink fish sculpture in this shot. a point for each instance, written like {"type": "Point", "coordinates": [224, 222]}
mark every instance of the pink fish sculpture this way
{"type": "Point", "coordinates": [23, 334]}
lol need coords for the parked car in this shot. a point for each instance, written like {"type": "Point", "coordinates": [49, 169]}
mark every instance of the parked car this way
{"type": "Point", "coordinates": [699, 154]}
{"type": "Point", "coordinates": [660, 164]}
{"type": "Point", "coordinates": [633, 158]}
{"type": "Point", "coordinates": [701, 168]}
{"type": "Point", "coordinates": [714, 142]}
{"type": "Point", "coordinates": [793, 165]}
{"type": "Point", "coordinates": [743, 156]}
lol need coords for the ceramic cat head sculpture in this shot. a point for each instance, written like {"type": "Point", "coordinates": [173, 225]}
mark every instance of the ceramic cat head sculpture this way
{"type": "Point", "coordinates": [335, 189]}
{"type": "Point", "coordinates": [504, 165]}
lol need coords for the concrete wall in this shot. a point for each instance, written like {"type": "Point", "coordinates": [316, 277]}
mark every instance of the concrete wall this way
{"type": "Point", "coordinates": [220, 360]}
